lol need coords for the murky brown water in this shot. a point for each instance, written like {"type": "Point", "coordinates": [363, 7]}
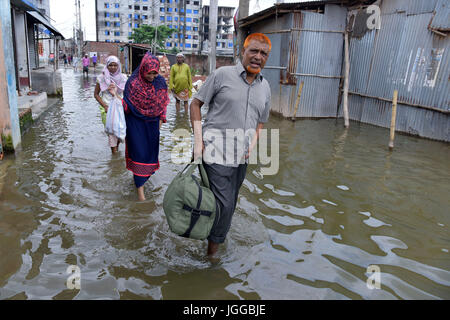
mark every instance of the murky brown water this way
{"type": "Point", "coordinates": [340, 203]}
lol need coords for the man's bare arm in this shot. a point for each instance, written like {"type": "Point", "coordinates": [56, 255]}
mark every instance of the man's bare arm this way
{"type": "Point", "coordinates": [196, 123]}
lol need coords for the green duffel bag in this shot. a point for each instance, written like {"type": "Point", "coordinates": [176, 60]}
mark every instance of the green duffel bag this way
{"type": "Point", "coordinates": [189, 204]}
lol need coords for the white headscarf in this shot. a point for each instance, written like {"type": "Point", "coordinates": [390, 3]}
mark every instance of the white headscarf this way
{"type": "Point", "coordinates": [117, 78]}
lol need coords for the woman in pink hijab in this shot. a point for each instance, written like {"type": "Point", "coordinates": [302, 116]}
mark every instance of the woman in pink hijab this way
{"type": "Point", "coordinates": [110, 83]}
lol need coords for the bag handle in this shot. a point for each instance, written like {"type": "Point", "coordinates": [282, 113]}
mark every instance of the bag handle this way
{"type": "Point", "coordinates": [192, 166]}
{"type": "Point", "coordinates": [204, 175]}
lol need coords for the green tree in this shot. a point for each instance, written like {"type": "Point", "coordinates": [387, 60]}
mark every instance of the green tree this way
{"type": "Point", "coordinates": [174, 50]}
{"type": "Point", "coordinates": [146, 34]}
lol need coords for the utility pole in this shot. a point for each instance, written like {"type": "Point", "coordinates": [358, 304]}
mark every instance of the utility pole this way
{"type": "Point", "coordinates": [212, 34]}
{"type": "Point", "coordinates": [78, 22]}
{"type": "Point", "coordinates": [241, 34]}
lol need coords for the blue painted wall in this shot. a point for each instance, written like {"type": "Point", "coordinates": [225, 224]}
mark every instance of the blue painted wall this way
{"type": "Point", "coordinates": [6, 29]}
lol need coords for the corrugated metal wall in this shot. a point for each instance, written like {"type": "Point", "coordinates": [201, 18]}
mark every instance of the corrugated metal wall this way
{"type": "Point", "coordinates": [404, 55]}
{"type": "Point", "coordinates": [307, 46]}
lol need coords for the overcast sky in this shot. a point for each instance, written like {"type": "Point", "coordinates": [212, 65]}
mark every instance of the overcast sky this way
{"type": "Point", "coordinates": [63, 14]}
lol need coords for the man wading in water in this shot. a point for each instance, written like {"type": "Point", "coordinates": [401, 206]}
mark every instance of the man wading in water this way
{"type": "Point", "coordinates": [239, 99]}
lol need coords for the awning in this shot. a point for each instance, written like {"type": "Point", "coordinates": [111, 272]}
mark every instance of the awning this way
{"type": "Point", "coordinates": [25, 5]}
{"type": "Point", "coordinates": [40, 19]}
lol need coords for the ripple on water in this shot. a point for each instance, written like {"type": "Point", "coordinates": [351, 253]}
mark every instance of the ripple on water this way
{"type": "Point", "coordinates": [339, 204]}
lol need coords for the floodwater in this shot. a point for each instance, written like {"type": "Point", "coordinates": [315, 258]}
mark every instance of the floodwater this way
{"type": "Point", "coordinates": [340, 203]}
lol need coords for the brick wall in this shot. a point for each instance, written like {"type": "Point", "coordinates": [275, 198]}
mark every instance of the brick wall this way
{"type": "Point", "coordinates": [195, 61]}
{"type": "Point", "coordinates": [103, 50]}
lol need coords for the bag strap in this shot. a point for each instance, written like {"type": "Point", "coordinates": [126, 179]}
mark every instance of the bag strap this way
{"type": "Point", "coordinates": [204, 175]}
{"type": "Point", "coordinates": [195, 213]}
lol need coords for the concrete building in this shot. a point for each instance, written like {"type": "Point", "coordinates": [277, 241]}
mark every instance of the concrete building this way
{"type": "Point", "coordinates": [21, 70]}
{"type": "Point", "coordinates": [44, 46]}
{"type": "Point", "coordinates": [224, 35]}
{"type": "Point", "coordinates": [116, 20]}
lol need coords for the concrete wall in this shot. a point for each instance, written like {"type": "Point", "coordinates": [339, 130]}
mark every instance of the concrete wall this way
{"type": "Point", "coordinates": [9, 123]}
{"type": "Point", "coordinates": [47, 80]}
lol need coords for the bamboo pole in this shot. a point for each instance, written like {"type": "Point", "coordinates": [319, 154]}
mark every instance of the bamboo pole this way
{"type": "Point", "coordinates": [297, 102]}
{"type": "Point", "coordinates": [347, 73]}
{"type": "Point", "coordinates": [1, 148]}
{"type": "Point", "coordinates": [393, 119]}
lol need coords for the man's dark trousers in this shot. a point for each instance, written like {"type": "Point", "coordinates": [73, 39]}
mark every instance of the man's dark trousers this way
{"type": "Point", "coordinates": [225, 183]}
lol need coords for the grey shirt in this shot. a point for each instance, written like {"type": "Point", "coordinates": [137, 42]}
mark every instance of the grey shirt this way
{"type": "Point", "coordinates": [235, 108]}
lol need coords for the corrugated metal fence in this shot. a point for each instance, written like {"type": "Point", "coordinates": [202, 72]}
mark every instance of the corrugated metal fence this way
{"type": "Point", "coordinates": [404, 55]}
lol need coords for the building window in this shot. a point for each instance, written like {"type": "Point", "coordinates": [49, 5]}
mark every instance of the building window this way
{"type": "Point", "coordinates": [145, 8]}
{"type": "Point", "coordinates": [106, 33]}
{"type": "Point", "coordinates": [188, 28]}
{"type": "Point", "coordinates": [188, 19]}
{"type": "Point", "coordinates": [136, 25]}
{"type": "Point", "coordinates": [117, 5]}
{"type": "Point", "coordinates": [161, 19]}
{"type": "Point", "coordinates": [188, 45]}
{"type": "Point", "coordinates": [169, 10]}
{"type": "Point", "coordinates": [107, 14]}
{"type": "Point", "coordinates": [196, 3]}
{"type": "Point", "coordinates": [137, 8]}
{"type": "Point", "coordinates": [169, 18]}
{"type": "Point", "coordinates": [194, 45]}
{"type": "Point", "coordinates": [195, 11]}
{"type": "Point", "coordinates": [116, 15]}
{"type": "Point", "coordinates": [107, 23]}
{"type": "Point", "coordinates": [136, 16]}
{"type": "Point", "coordinates": [116, 24]}
{"type": "Point", "coordinates": [188, 10]}
{"type": "Point", "coordinates": [107, 5]}
{"type": "Point", "coordinates": [117, 33]}
{"type": "Point", "coordinates": [161, 9]}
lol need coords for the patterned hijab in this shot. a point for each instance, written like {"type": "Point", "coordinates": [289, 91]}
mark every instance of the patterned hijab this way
{"type": "Point", "coordinates": [149, 98]}
{"type": "Point", "coordinates": [117, 78]}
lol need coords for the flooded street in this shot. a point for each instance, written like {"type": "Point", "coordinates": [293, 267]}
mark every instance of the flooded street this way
{"type": "Point", "coordinates": [341, 202]}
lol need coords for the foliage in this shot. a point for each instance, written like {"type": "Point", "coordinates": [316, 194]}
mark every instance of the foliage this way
{"type": "Point", "coordinates": [174, 50]}
{"type": "Point", "coordinates": [146, 34]}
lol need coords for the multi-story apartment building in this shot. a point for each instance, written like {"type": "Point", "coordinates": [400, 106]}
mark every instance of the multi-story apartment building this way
{"type": "Point", "coordinates": [224, 35]}
{"type": "Point", "coordinates": [116, 20]}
